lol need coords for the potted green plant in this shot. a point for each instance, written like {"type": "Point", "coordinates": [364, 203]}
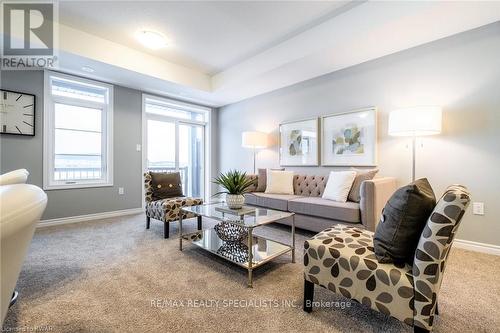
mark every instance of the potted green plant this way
{"type": "Point", "coordinates": [234, 183]}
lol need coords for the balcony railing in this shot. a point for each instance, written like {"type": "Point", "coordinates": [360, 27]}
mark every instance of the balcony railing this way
{"type": "Point", "coordinates": [71, 174]}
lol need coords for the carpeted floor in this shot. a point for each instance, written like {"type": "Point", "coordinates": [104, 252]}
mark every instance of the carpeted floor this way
{"type": "Point", "coordinates": [114, 276]}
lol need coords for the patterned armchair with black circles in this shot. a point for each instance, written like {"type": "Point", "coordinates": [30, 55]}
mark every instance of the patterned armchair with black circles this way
{"type": "Point", "coordinates": [164, 199]}
{"type": "Point", "coordinates": [342, 260]}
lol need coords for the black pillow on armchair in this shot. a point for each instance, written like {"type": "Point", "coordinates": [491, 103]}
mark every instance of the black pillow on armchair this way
{"type": "Point", "coordinates": [166, 185]}
{"type": "Point", "coordinates": [403, 220]}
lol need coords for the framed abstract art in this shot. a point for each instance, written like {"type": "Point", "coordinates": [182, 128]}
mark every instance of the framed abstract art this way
{"type": "Point", "coordinates": [299, 143]}
{"type": "Point", "coordinates": [349, 139]}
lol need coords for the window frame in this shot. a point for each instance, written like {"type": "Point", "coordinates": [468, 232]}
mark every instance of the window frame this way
{"type": "Point", "coordinates": [49, 183]}
{"type": "Point", "coordinates": [182, 106]}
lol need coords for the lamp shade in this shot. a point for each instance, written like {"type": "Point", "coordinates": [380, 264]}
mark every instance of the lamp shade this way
{"type": "Point", "coordinates": [416, 121]}
{"type": "Point", "coordinates": [254, 140]}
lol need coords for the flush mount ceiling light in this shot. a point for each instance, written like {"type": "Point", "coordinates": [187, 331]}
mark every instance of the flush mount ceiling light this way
{"type": "Point", "coordinates": [151, 39]}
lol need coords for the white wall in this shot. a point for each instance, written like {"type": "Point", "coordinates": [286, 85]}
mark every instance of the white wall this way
{"type": "Point", "coordinates": [461, 73]}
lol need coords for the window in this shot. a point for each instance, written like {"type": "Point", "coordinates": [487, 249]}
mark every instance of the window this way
{"type": "Point", "coordinates": [175, 141]}
{"type": "Point", "coordinates": [78, 123]}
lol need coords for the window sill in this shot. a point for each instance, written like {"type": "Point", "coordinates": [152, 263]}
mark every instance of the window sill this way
{"type": "Point", "coordinates": [75, 186]}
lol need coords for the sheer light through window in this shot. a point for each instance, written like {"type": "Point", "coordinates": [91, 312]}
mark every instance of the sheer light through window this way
{"type": "Point", "coordinates": [77, 120]}
{"type": "Point", "coordinates": [175, 141]}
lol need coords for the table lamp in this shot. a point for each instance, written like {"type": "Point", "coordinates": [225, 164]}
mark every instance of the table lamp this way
{"type": "Point", "coordinates": [415, 122]}
{"type": "Point", "coordinates": [253, 140]}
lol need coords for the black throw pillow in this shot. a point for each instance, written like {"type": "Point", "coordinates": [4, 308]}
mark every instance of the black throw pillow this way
{"type": "Point", "coordinates": [403, 220]}
{"type": "Point", "coordinates": [166, 185]}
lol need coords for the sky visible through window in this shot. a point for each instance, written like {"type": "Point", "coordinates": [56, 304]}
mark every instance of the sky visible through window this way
{"type": "Point", "coordinates": [161, 144]}
{"type": "Point", "coordinates": [78, 147]}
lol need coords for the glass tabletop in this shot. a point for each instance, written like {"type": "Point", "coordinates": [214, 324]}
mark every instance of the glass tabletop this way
{"type": "Point", "coordinates": [257, 216]}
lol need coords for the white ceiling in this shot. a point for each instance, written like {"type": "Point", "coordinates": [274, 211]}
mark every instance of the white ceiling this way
{"type": "Point", "coordinates": [206, 36]}
{"type": "Point", "coordinates": [224, 52]}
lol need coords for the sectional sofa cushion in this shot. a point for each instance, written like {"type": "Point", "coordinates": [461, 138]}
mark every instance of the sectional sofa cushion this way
{"type": "Point", "coordinates": [279, 182]}
{"type": "Point", "coordinates": [361, 176]}
{"type": "Point", "coordinates": [403, 219]}
{"type": "Point", "coordinates": [339, 184]}
{"type": "Point", "coordinates": [272, 201]}
{"type": "Point", "coordinates": [342, 211]}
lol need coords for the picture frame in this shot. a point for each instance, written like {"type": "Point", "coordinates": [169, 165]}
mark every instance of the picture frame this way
{"type": "Point", "coordinates": [299, 142]}
{"type": "Point", "coordinates": [349, 138]}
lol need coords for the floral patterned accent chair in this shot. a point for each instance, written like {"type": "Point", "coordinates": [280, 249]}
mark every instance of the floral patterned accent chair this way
{"type": "Point", "coordinates": [166, 205]}
{"type": "Point", "coordinates": [342, 259]}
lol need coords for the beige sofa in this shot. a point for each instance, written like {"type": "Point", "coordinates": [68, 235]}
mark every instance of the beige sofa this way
{"type": "Point", "coordinates": [315, 213]}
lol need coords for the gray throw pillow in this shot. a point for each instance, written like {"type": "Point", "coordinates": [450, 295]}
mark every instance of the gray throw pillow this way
{"type": "Point", "coordinates": [166, 185]}
{"type": "Point", "coordinates": [262, 179]}
{"type": "Point", "coordinates": [403, 219]}
{"type": "Point", "coordinates": [361, 176]}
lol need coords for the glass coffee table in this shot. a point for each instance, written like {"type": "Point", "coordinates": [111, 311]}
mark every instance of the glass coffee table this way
{"type": "Point", "coordinates": [250, 252]}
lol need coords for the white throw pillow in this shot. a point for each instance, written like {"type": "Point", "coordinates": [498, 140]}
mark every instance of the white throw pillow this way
{"type": "Point", "coordinates": [279, 182]}
{"type": "Point", "coordinates": [339, 184]}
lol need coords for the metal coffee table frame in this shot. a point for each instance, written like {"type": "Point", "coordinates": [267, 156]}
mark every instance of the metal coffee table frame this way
{"type": "Point", "coordinates": [252, 240]}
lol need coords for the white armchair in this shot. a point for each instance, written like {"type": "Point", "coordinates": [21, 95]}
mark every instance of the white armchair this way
{"type": "Point", "coordinates": [21, 206]}
{"type": "Point", "coordinates": [19, 176]}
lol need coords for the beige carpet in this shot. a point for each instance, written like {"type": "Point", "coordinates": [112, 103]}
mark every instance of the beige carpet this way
{"type": "Point", "coordinates": [104, 276]}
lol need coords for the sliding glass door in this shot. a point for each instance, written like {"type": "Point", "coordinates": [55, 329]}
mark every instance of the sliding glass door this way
{"type": "Point", "coordinates": [192, 157]}
{"type": "Point", "coordinates": [175, 141]}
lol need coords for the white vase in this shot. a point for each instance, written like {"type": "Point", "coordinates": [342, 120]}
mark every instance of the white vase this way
{"type": "Point", "coordinates": [235, 201]}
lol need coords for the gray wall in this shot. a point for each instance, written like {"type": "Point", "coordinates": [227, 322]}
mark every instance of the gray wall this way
{"type": "Point", "coordinates": [26, 152]}
{"type": "Point", "coordinates": [461, 73]}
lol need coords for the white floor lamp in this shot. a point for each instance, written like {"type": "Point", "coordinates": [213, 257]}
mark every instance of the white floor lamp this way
{"type": "Point", "coordinates": [254, 140]}
{"type": "Point", "coordinates": [415, 122]}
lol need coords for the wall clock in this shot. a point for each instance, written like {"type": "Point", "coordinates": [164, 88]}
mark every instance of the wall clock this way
{"type": "Point", "coordinates": [17, 113]}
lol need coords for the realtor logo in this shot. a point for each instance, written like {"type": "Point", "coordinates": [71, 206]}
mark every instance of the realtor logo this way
{"type": "Point", "coordinates": [29, 35]}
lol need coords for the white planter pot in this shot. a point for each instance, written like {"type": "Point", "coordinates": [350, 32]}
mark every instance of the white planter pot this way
{"type": "Point", "coordinates": [235, 201]}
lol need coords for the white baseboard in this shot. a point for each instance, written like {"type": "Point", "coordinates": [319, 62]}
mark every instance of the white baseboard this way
{"type": "Point", "coordinates": [477, 247]}
{"type": "Point", "coordinates": [89, 217]}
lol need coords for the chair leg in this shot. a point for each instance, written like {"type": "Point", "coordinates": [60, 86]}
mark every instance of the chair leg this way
{"type": "Point", "coordinates": [13, 299]}
{"type": "Point", "coordinates": [199, 222]}
{"type": "Point", "coordinates": [166, 230]}
{"type": "Point", "coordinates": [148, 222]}
{"type": "Point", "coordinates": [417, 329]}
{"type": "Point", "coordinates": [437, 310]}
{"type": "Point", "coordinates": [308, 296]}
